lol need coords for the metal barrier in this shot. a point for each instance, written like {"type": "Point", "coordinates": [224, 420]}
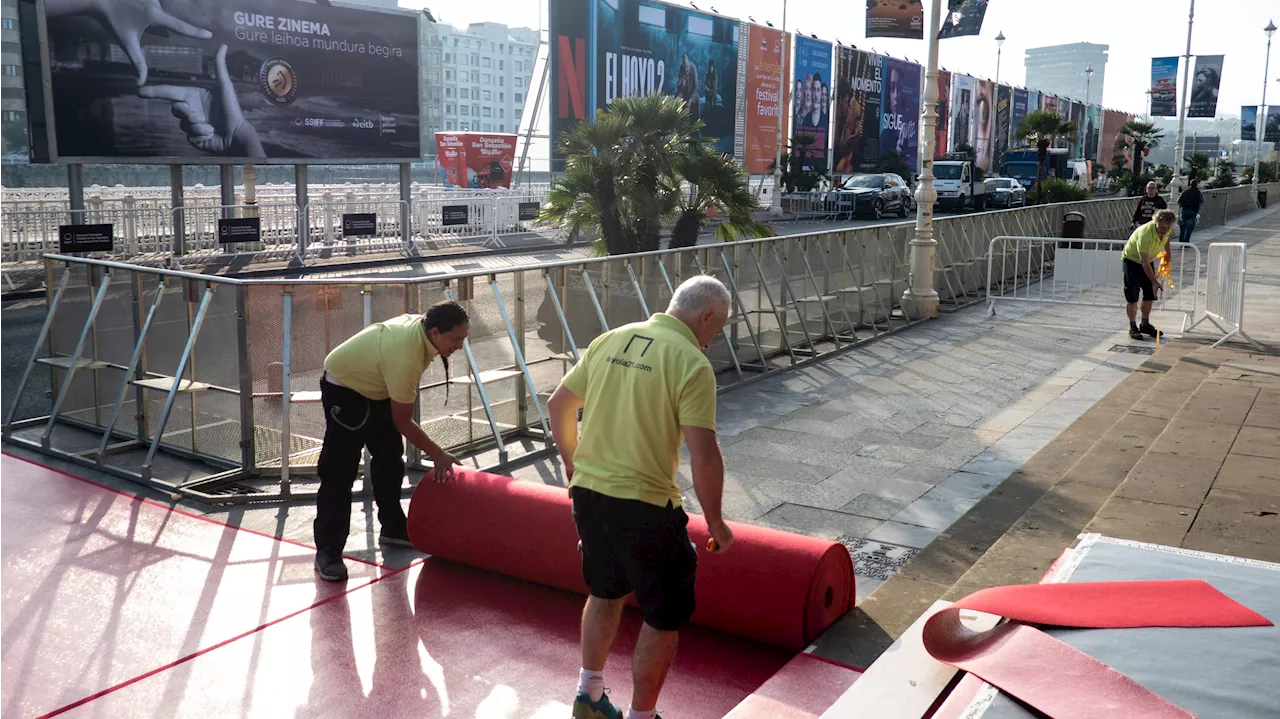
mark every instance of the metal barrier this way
{"type": "Point", "coordinates": [330, 228]}
{"type": "Point", "coordinates": [1224, 299]}
{"type": "Point", "coordinates": [141, 232]}
{"type": "Point", "coordinates": [197, 236]}
{"type": "Point", "coordinates": [1084, 272]}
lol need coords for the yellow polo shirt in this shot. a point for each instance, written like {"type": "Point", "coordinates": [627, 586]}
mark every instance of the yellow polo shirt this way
{"type": "Point", "coordinates": [384, 360]}
{"type": "Point", "coordinates": [641, 384]}
{"type": "Point", "coordinates": [1145, 240]}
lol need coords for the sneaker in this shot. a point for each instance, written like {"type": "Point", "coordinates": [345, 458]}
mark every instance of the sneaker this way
{"type": "Point", "coordinates": [584, 708]}
{"type": "Point", "coordinates": [1136, 334]}
{"type": "Point", "coordinates": [330, 567]}
{"type": "Point", "coordinates": [395, 536]}
{"type": "Point", "coordinates": [1146, 329]}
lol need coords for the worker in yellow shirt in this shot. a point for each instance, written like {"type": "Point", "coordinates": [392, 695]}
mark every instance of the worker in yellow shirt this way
{"type": "Point", "coordinates": [1139, 254]}
{"type": "Point", "coordinates": [368, 390]}
{"type": "Point", "coordinates": [643, 387]}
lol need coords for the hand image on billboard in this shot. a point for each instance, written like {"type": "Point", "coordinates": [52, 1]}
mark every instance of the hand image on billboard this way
{"type": "Point", "coordinates": [127, 20]}
{"type": "Point", "coordinates": [212, 121]}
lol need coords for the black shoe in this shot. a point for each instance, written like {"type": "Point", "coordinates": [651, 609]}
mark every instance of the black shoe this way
{"type": "Point", "coordinates": [399, 535]}
{"type": "Point", "coordinates": [1136, 334]}
{"type": "Point", "coordinates": [1146, 329]}
{"type": "Point", "coordinates": [330, 567]}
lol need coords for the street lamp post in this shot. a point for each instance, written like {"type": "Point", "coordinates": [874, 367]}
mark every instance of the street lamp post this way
{"type": "Point", "coordinates": [920, 293]}
{"type": "Point", "coordinates": [775, 206]}
{"type": "Point", "coordinates": [1088, 83]}
{"type": "Point", "coordinates": [1175, 185]}
{"type": "Point", "coordinates": [999, 47]}
{"type": "Point", "coordinates": [1261, 123]}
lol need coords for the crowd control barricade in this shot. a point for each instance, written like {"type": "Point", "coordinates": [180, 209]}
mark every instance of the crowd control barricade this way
{"type": "Point", "coordinates": [1224, 297]}
{"type": "Point", "coordinates": [138, 233]}
{"type": "Point", "coordinates": [1087, 272]}
{"type": "Point", "coordinates": [355, 227]}
{"type": "Point", "coordinates": [269, 231]}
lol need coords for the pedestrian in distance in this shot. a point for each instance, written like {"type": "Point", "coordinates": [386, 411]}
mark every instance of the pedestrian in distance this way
{"type": "Point", "coordinates": [368, 390]}
{"type": "Point", "coordinates": [642, 388]}
{"type": "Point", "coordinates": [1148, 204]}
{"type": "Point", "coordinates": [1140, 278]}
{"type": "Point", "coordinates": [1190, 202]}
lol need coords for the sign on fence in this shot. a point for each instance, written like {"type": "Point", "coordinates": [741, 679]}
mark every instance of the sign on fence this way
{"type": "Point", "coordinates": [454, 215]}
{"type": "Point", "coordinates": [86, 238]}
{"type": "Point", "coordinates": [244, 229]}
{"type": "Point", "coordinates": [529, 211]}
{"type": "Point", "coordinates": [360, 224]}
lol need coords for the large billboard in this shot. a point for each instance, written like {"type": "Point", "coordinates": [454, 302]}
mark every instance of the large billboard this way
{"type": "Point", "coordinates": [1112, 121]}
{"type": "Point", "coordinates": [767, 51]}
{"type": "Point", "coordinates": [1078, 140]}
{"type": "Point", "coordinates": [984, 122]}
{"type": "Point", "coordinates": [1020, 98]}
{"type": "Point", "coordinates": [813, 79]}
{"type": "Point", "coordinates": [900, 110]}
{"type": "Point", "coordinates": [860, 84]}
{"type": "Point", "coordinates": [1092, 131]}
{"type": "Point", "coordinates": [943, 130]}
{"type": "Point", "coordinates": [1004, 127]}
{"type": "Point", "coordinates": [1164, 86]}
{"type": "Point", "coordinates": [961, 111]}
{"type": "Point", "coordinates": [895, 18]}
{"type": "Point", "coordinates": [1204, 86]}
{"type": "Point", "coordinates": [266, 81]}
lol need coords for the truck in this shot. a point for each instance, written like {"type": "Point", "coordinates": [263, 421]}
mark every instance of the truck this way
{"type": "Point", "coordinates": [958, 187]}
{"type": "Point", "coordinates": [1021, 165]}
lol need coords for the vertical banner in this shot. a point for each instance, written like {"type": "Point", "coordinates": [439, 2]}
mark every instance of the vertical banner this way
{"type": "Point", "coordinates": [451, 154]}
{"type": "Point", "coordinates": [1204, 86]}
{"type": "Point", "coordinates": [740, 107]}
{"type": "Point", "coordinates": [961, 111]}
{"type": "Point", "coordinates": [1249, 122]}
{"type": "Point", "coordinates": [1112, 121]}
{"type": "Point", "coordinates": [1077, 119]}
{"type": "Point", "coordinates": [1092, 131]}
{"type": "Point", "coordinates": [964, 17]}
{"type": "Point", "coordinates": [1164, 86]}
{"type": "Point", "coordinates": [572, 72]}
{"type": "Point", "coordinates": [769, 50]}
{"type": "Point", "coordinates": [1033, 101]}
{"type": "Point", "coordinates": [1272, 131]}
{"type": "Point", "coordinates": [1004, 127]}
{"type": "Point", "coordinates": [860, 84]}
{"type": "Point", "coordinates": [1050, 104]}
{"type": "Point", "coordinates": [984, 122]}
{"type": "Point", "coordinates": [1020, 111]}
{"type": "Point", "coordinates": [900, 110]}
{"type": "Point", "coordinates": [895, 18]}
{"type": "Point", "coordinates": [940, 147]}
{"type": "Point", "coordinates": [810, 119]}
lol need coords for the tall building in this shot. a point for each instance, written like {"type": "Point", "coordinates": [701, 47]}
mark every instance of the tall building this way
{"type": "Point", "coordinates": [1060, 70]}
{"type": "Point", "coordinates": [476, 79]}
{"type": "Point", "coordinates": [13, 102]}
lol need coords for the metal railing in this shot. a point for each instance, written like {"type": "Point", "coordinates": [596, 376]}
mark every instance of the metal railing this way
{"type": "Point", "coordinates": [1224, 298]}
{"type": "Point", "coordinates": [141, 232]}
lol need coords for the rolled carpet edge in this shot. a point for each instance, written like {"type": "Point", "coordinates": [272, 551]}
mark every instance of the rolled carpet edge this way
{"type": "Point", "coordinates": [776, 587]}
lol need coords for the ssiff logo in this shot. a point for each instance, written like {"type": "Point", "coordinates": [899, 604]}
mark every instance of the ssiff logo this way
{"type": "Point", "coordinates": [278, 81]}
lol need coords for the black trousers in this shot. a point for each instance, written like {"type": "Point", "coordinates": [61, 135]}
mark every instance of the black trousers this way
{"type": "Point", "coordinates": [353, 422]}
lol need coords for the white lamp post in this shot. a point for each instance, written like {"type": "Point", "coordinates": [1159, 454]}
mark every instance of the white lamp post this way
{"type": "Point", "coordinates": [1175, 186]}
{"type": "Point", "coordinates": [999, 47]}
{"type": "Point", "coordinates": [1261, 123]}
{"type": "Point", "coordinates": [920, 293]}
{"type": "Point", "coordinates": [775, 206]}
{"type": "Point", "coordinates": [1088, 82]}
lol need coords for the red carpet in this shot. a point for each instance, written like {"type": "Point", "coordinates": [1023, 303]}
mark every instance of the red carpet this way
{"type": "Point", "coordinates": [776, 587]}
{"type": "Point", "coordinates": [1051, 675]}
{"type": "Point", "coordinates": [120, 607]}
{"type": "Point", "coordinates": [805, 688]}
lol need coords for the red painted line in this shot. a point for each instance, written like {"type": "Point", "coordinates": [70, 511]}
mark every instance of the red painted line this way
{"type": "Point", "coordinates": [182, 512]}
{"type": "Point", "coordinates": [223, 643]}
{"type": "Point", "coordinates": [842, 665]}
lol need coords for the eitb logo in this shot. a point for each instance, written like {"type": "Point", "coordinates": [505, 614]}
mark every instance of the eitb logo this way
{"type": "Point", "coordinates": [278, 81]}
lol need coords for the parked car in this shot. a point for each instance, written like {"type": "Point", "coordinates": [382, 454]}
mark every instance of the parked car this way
{"type": "Point", "coordinates": [876, 195]}
{"type": "Point", "coordinates": [1009, 192]}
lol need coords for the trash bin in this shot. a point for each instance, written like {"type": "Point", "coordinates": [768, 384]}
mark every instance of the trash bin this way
{"type": "Point", "coordinates": [1072, 228]}
{"type": "Point", "coordinates": [1262, 199]}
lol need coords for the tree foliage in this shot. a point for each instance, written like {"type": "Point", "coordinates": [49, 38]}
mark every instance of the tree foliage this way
{"type": "Point", "coordinates": [1042, 128]}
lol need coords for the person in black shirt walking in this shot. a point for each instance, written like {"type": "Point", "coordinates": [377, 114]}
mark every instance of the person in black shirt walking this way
{"type": "Point", "coordinates": [1147, 206]}
{"type": "Point", "coordinates": [1191, 200]}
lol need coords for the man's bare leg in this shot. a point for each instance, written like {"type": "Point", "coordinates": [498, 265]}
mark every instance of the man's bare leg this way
{"type": "Point", "coordinates": [1146, 311]}
{"type": "Point", "coordinates": [600, 619]}
{"type": "Point", "coordinates": [654, 651]}
{"type": "Point", "coordinates": [1132, 309]}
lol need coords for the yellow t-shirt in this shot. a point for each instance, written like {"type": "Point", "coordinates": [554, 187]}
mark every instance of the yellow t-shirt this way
{"type": "Point", "coordinates": [384, 360]}
{"type": "Point", "coordinates": [641, 384]}
{"type": "Point", "coordinates": [1145, 240]}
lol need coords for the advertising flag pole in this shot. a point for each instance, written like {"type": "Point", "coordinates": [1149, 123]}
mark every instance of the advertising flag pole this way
{"type": "Point", "coordinates": [1175, 185]}
{"type": "Point", "coordinates": [1261, 122]}
{"type": "Point", "coordinates": [775, 206]}
{"type": "Point", "coordinates": [920, 293]}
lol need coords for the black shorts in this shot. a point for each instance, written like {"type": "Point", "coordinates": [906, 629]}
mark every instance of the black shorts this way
{"type": "Point", "coordinates": [628, 545]}
{"type": "Point", "coordinates": [1135, 281]}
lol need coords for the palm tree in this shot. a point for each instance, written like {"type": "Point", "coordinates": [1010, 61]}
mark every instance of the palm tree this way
{"type": "Point", "coordinates": [587, 197]}
{"type": "Point", "coordinates": [1141, 137]}
{"type": "Point", "coordinates": [713, 180]}
{"type": "Point", "coordinates": [1197, 167]}
{"type": "Point", "coordinates": [794, 176]}
{"type": "Point", "coordinates": [1042, 128]}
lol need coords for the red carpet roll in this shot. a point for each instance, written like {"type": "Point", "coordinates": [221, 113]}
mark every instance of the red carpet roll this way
{"type": "Point", "coordinates": [776, 587]}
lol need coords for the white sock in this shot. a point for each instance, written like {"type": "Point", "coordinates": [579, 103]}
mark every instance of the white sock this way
{"type": "Point", "coordinates": [637, 714]}
{"type": "Point", "coordinates": [591, 683]}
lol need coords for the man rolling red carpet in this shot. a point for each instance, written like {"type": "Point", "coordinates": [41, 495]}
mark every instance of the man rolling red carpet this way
{"type": "Point", "coordinates": [643, 387]}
